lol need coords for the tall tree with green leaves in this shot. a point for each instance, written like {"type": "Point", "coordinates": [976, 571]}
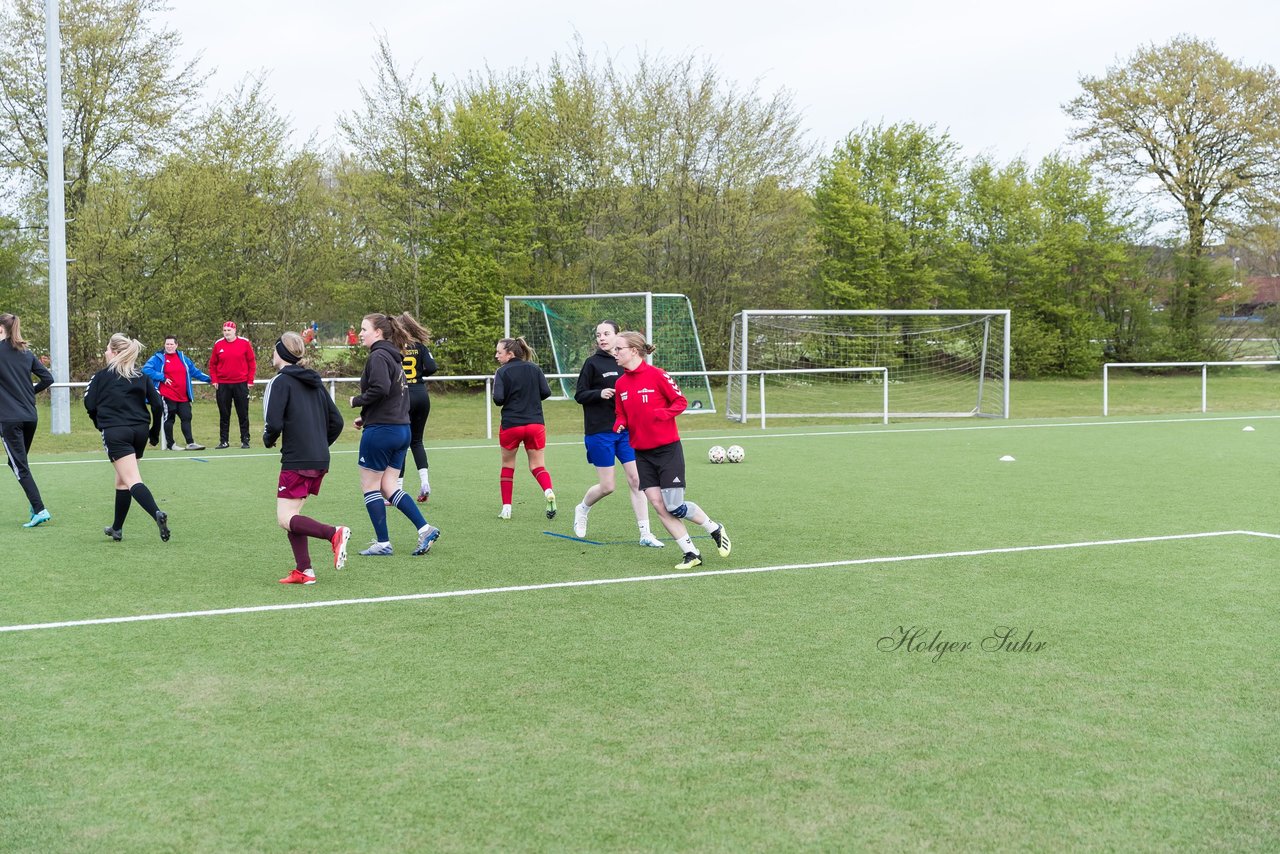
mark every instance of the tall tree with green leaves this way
{"type": "Point", "coordinates": [1198, 127]}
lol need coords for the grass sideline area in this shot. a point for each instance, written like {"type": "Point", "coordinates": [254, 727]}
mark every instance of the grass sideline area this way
{"type": "Point", "coordinates": [775, 708]}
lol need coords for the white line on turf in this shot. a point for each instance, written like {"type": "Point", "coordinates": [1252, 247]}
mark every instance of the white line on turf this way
{"type": "Point", "coordinates": [596, 582]}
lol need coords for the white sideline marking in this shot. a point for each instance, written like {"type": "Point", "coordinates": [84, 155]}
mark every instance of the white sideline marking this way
{"type": "Point", "coordinates": [595, 582]}
{"type": "Point", "coordinates": [891, 431]}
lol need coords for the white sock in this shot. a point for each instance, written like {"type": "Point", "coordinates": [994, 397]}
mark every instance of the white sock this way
{"type": "Point", "coordinates": [426, 481]}
{"type": "Point", "coordinates": [644, 527]}
{"type": "Point", "coordinates": [400, 483]}
{"type": "Point", "coordinates": [583, 508]}
{"type": "Point", "coordinates": [710, 525]}
{"type": "Point", "coordinates": [686, 544]}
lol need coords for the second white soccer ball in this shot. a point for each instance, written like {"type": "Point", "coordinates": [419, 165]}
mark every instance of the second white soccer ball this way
{"type": "Point", "coordinates": [735, 454]}
{"type": "Point", "coordinates": [716, 454]}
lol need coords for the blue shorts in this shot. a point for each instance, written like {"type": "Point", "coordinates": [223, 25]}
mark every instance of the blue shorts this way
{"type": "Point", "coordinates": [603, 447]}
{"type": "Point", "coordinates": [382, 446]}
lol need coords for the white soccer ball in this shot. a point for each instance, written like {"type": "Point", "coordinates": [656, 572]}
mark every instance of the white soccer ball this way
{"type": "Point", "coordinates": [735, 454]}
{"type": "Point", "coordinates": [716, 454]}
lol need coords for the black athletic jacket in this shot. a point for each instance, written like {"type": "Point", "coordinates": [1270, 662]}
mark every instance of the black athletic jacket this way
{"type": "Point", "coordinates": [519, 387]}
{"type": "Point", "coordinates": [116, 401]}
{"type": "Point", "coordinates": [298, 408]}
{"type": "Point", "coordinates": [384, 391]}
{"type": "Point", "coordinates": [17, 393]}
{"type": "Point", "coordinates": [598, 373]}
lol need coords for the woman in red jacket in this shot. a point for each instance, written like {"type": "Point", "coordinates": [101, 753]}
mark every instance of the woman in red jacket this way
{"type": "Point", "coordinates": [646, 402]}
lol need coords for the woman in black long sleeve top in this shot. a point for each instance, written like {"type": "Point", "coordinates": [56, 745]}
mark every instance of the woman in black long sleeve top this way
{"type": "Point", "coordinates": [122, 401]}
{"type": "Point", "coordinates": [18, 419]}
{"type": "Point", "coordinates": [519, 387]}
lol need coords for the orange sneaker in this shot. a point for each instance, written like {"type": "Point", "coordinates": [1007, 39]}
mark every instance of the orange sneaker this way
{"type": "Point", "coordinates": [298, 577]}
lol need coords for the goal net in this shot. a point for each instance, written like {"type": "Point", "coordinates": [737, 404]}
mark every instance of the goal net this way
{"type": "Point", "coordinates": [561, 330]}
{"type": "Point", "coordinates": [940, 363]}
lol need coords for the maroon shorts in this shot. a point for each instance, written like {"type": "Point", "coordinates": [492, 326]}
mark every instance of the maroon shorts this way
{"type": "Point", "coordinates": [534, 437]}
{"type": "Point", "coordinates": [300, 483]}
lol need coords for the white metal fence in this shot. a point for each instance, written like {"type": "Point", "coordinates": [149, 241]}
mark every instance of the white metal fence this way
{"type": "Point", "coordinates": [1204, 375]}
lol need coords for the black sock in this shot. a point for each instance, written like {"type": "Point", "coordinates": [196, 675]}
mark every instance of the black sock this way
{"type": "Point", "coordinates": [142, 495]}
{"type": "Point", "coordinates": [123, 500]}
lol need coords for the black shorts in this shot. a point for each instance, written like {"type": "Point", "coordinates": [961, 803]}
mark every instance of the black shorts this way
{"type": "Point", "coordinates": [123, 441]}
{"type": "Point", "coordinates": [662, 466]}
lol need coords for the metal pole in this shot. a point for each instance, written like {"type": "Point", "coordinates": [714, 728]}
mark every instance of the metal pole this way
{"type": "Point", "coordinates": [488, 409]}
{"type": "Point", "coordinates": [1104, 389]}
{"type": "Point", "coordinates": [761, 400]}
{"type": "Point", "coordinates": [1204, 387]}
{"type": "Point", "coordinates": [59, 350]}
{"type": "Point", "coordinates": [885, 384]}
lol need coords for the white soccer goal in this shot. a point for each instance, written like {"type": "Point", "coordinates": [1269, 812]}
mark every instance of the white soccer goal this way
{"type": "Point", "coordinates": [561, 329]}
{"type": "Point", "coordinates": [941, 364]}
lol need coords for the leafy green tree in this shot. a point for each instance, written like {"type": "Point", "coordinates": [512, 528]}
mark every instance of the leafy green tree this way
{"type": "Point", "coordinates": [1206, 130]}
{"type": "Point", "coordinates": [885, 203]}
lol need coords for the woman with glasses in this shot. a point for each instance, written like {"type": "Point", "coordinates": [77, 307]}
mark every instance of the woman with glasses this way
{"type": "Point", "coordinates": [646, 403]}
{"type": "Point", "coordinates": [595, 393]}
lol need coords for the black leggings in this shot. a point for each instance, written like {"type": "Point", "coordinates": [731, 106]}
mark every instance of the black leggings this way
{"type": "Point", "coordinates": [183, 412]}
{"type": "Point", "coordinates": [17, 437]}
{"type": "Point", "coordinates": [237, 393]}
{"type": "Point", "coordinates": [419, 410]}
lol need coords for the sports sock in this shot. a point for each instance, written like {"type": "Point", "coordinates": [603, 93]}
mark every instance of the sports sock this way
{"type": "Point", "coordinates": [426, 481]}
{"type": "Point", "coordinates": [145, 500]}
{"type": "Point", "coordinates": [301, 556]}
{"type": "Point", "coordinates": [123, 501]}
{"type": "Point", "coordinates": [504, 481]}
{"type": "Point", "coordinates": [543, 477]}
{"type": "Point", "coordinates": [399, 483]}
{"type": "Point", "coordinates": [377, 514]}
{"type": "Point", "coordinates": [402, 502]}
{"type": "Point", "coordinates": [644, 527]}
{"type": "Point", "coordinates": [686, 544]}
{"type": "Point", "coordinates": [308, 527]}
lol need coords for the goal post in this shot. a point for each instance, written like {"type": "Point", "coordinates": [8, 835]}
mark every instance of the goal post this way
{"type": "Point", "coordinates": [561, 329]}
{"type": "Point", "coordinates": [941, 363]}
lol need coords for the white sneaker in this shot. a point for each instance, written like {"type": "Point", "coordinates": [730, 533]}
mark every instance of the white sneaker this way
{"type": "Point", "coordinates": [580, 521]}
{"type": "Point", "coordinates": [651, 541]}
{"type": "Point", "coordinates": [506, 512]}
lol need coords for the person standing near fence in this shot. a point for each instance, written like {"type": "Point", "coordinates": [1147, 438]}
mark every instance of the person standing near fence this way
{"type": "Point", "coordinates": [233, 366]}
{"type": "Point", "coordinates": [121, 401]}
{"type": "Point", "coordinates": [646, 403]}
{"type": "Point", "coordinates": [172, 373]}
{"type": "Point", "coordinates": [519, 387]}
{"type": "Point", "coordinates": [18, 416]}
{"type": "Point", "coordinates": [384, 418]}
{"type": "Point", "coordinates": [595, 393]}
{"type": "Point", "coordinates": [418, 364]}
{"type": "Point", "coordinates": [299, 412]}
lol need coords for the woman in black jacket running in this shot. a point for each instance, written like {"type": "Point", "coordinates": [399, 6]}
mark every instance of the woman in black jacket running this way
{"type": "Point", "coordinates": [121, 401]}
{"type": "Point", "coordinates": [18, 419]}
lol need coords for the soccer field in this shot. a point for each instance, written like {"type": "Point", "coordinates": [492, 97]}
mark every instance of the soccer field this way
{"type": "Point", "coordinates": [913, 645]}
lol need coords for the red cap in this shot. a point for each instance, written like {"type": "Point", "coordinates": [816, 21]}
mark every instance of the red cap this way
{"type": "Point", "coordinates": [230, 324]}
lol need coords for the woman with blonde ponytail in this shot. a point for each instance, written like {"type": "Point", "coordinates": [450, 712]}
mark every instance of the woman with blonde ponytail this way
{"type": "Point", "coordinates": [122, 401]}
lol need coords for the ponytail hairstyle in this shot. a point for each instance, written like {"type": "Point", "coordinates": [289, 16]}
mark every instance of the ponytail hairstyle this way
{"type": "Point", "coordinates": [518, 347]}
{"type": "Point", "coordinates": [414, 331]}
{"type": "Point", "coordinates": [392, 328]}
{"type": "Point", "coordinates": [13, 330]}
{"type": "Point", "coordinates": [636, 341]}
{"type": "Point", "coordinates": [122, 355]}
{"type": "Point", "coordinates": [613, 323]}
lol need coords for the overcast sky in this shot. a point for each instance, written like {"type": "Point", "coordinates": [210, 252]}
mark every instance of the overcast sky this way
{"type": "Point", "coordinates": [993, 73]}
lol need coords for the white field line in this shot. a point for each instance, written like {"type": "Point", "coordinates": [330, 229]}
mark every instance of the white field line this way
{"type": "Point", "coordinates": [727, 437]}
{"type": "Point", "coordinates": [596, 582]}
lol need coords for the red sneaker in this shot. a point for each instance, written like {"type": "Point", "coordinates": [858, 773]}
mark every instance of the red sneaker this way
{"type": "Point", "coordinates": [298, 577]}
{"type": "Point", "coordinates": [339, 542]}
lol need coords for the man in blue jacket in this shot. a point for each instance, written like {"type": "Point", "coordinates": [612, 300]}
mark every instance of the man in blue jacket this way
{"type": "Point", "coordinates": [172, 372]}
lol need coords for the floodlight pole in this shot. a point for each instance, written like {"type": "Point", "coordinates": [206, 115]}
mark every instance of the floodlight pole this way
{"type": "Point", "coordinates": [59, 351]}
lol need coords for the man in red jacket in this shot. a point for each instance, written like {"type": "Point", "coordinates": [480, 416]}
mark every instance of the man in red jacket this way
{"type": "Point", "coordinates": [232, 369]}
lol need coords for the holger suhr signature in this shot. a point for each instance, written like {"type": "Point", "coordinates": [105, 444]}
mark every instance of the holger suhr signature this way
{"type": "Point", "coordinates": [921, 639]}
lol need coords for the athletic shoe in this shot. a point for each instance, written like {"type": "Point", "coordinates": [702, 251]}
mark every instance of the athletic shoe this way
{"type": "Point", "coordinates": [37, 519]}
{"type": "Point", "coordinates": [551, 503]}
{"type": "Point", "coordinates": [691, 559]}
{"type": "Point", "coordinates": [297, 577]}
{"type": "Point", "coordinates": [162, 519]}
{"type": "Point", "coordinates": [652, 542]}
{"type": "Point", "coordinates": [426, 537]}
{"type": "Point", "coordinates": [222, 446]}
{"type": "Point", "coordinates": [423, 495]}
{"type": "Point", "coordinates": [114, 533]}
{"type": "Point", "coordinates": [580, 521]}
{"type": "Point", "coordinates": [244, 446]}
{"type": "Point", "coordinates": [195, 446]}
{"type": "Point", "coordinates": [505, 513]}
{"type": "Point", "coordinates": [721, 536]}
{"type": "Point", "coordinates": [339, 542]}
{"type": "Point", "coordinates": [376, 550]}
